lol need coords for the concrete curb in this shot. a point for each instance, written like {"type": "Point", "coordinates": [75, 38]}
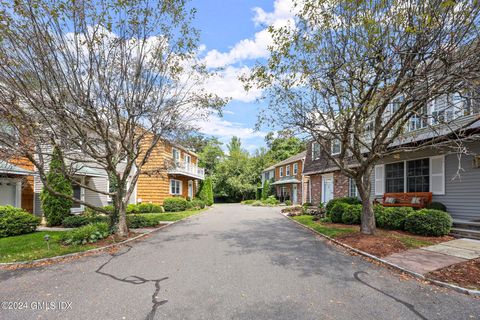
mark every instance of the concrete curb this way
{"type": "Point", "coordinates": [471, 292]}
{"type": "Point", "coordinates": [81, 253]}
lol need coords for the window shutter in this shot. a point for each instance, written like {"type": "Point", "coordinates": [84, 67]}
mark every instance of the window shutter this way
{"type": "Point", "coordinates": [437, 175]}
{"type": "Point", "coordinates": [379, 179]}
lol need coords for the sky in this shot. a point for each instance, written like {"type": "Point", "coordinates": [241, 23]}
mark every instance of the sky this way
{"type": "Point", "coordinates": [234, 37]}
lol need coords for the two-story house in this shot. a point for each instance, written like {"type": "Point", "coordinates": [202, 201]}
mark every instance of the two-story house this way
{"type": "Point", "coordinates": [171, 171]}
{"type": "Point", "coordinates": [289, 179]}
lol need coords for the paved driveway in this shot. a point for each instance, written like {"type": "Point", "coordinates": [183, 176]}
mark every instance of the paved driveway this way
{"type": "Point", "coordinates": [232, 262]}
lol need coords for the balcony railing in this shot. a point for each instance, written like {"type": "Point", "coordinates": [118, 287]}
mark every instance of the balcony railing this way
{"type": "Point", "coordinates": [188, 169]}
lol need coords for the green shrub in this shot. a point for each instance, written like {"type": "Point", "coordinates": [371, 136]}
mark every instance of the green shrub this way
{"type": "Point", "coordinates": [89, 233]}
{"type": "Point", "coordinates": [189, 205]}
{"type": "Point", "coordinates": [143, 220]}
{"type": "Point", "coordinates": [395, 217]}
{"type": "Point", "coordinates": [257, 204]}
{"type": "Point", "coordinates": [429, 222]}
{"type": "Point", "coordinates": [288, 203]}
{"type": "Point", "coordinates": [352, 214]}
{"type": "Point", "coordinates": [248, 201]}
{"type": "Point", "coordinates": [271, 200]}
{"type": "Point", "coordinates": [144, 208]}
{"type": "Point", "coordinates": [174, 204]}
{"type": "Point", "coordinates": [266, 190]}
{"type": "Point", "coordinates": [379, 212]}
{"type": "Point", "coordinates": [347, 200]}
{"type": "Point", "coordinates": [206, 191]}
{"type": "Point", "coordinates": [16, 221]}
{"type": "Point", "coordinates": [337, 211]}
{"type": "Point", "coordinates": [437, 206]}
{"type": "Point", "coordinates": [55, 208]}
{"type": "Point", "coordinates": [90, 212]}
{"type": "Point", "coordinates": [82, 220]}
{"type": "Point", "coordinates": [198, 204]}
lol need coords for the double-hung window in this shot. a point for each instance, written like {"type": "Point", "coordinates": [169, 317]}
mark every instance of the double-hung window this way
{"type": "Point", "coordinates": [395, 177]}
{"type": "Point", "coordinates": [336, 147]}
{"type": "Point", "coordinates": [352, 189]}
{"type": "Point", "coordinates": [315, 150]}
{"type": "Point", "coordinates": [176, 156]}
{"type": "Point", "coordinates": [418, 120]}
{"type": "Point", "coordinates": [295, 169]}
{"type": "Point", "coordinates": [281, 172]}
{"type": "Point", "coordinates": [175, 187]}
{"type": "Point", "coordinates": [287, 170]}
{"type": "Point", "coordinates": [408, 176]}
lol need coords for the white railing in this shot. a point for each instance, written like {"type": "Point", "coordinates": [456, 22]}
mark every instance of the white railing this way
{"type": "Point", "coordinates": [188, 169]}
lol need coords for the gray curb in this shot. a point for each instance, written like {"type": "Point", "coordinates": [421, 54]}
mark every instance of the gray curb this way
{"type": "Point", "coordinates": [75, 254]}
{"type": "Point", "coordinates": [475, 293]}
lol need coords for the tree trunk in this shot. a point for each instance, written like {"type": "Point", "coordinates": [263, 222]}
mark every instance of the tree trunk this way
{"type": "Point", "coordinates": [122, 227]}
{"type": "Point", "coordinates": [368, 216]}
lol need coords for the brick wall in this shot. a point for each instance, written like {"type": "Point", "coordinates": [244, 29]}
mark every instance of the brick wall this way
{"type": "Point", "coordinates": [340, 185]}
{"type": "Point", "coordinates": [316, 187]}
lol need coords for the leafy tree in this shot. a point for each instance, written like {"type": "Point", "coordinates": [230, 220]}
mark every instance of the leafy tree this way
{"type": "Point", "coordinates": [266, 190]}
{"type": "Point", "coordinates": [361, 72]}
{"type": "Point", "coordinates": [210, 155]}
{"type": "Point", "coordinates": [282, 147]}
{"type": "Point", "coordinates": [56, 208]}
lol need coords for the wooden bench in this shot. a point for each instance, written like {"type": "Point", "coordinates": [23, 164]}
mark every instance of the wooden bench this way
{"type": "Point", "coordinates": [404, 199]}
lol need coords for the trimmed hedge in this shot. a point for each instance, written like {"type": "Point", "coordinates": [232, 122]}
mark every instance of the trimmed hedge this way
{"type": "Point", "coordinates": [352, 214]}
{"type": "Point", "coordinates": [428, 222]}
{"type": "Point", "coordinates": [175, 204]}
{"type": "Point", "coordinates": [347, 200]}
{"type": "Point", "coordinates": [336, 212]}
{"type": "Point", "coordinates": [87, 234]}
{"type": "Point", "coordinates": [144, 208]}
{"type": "Point", "coordinates": [437, 206]}
{"type": "Point", "coordinates": [379, 212]}
{"type": "Point", "coordinates": [16, 221]}
{"type": "Point", "coordinates": [82, 220]}
{"type": "Point", "coordinates": [143, 220]}
{"type": "Point", "coordinates": [395, 217]}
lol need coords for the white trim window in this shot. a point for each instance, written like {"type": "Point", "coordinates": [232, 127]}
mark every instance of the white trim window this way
{"type": "Point", "coordinates": [287, 170]}
{"type": "Point", "coordinates": [352, 188]}
{"type": "Point", "coordinates": [176, 155]}
{"type": "Point", "coordinates": [419, 120]}
{"type": "Point", "coordinates": [175, 187]}
{"type": "Point", "coordinates": [295, 169]}
{"type": "Point", "coordinates": [281, 171]}
{"type": "Point", "coordinates": [336, 147]}
{"type": "Point", "coordinates": [315, 150]}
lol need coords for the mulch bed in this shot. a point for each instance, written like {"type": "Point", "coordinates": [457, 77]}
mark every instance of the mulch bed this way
{"type": "Point", "coordinates": [465, 274]}
{"type": "Point", "coordinates": [384, 242]}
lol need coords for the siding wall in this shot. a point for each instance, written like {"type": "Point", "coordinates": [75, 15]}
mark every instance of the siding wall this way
{"type": "Point", "coordinates": [462, 189]}
{"type": "Point", "coordinates": [27, 183]}
{"type": "Point", "coordinates": [96, 199]}
{"type": "Point", "coordinates": [153, 186]}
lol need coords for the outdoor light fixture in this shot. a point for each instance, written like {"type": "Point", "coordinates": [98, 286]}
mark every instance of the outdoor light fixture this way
{"type": "Point", "coordinates": [47, 239]}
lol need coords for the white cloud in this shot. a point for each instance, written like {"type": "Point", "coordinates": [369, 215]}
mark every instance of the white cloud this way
{"type": "Point", "coordinates": [226, 84]}
{"type": "Point", "coordinates": [222, 128]}
{"type": "Point", "coordinates": [283, 11]}
{"type": "Point", "coordinates": [245, 49]}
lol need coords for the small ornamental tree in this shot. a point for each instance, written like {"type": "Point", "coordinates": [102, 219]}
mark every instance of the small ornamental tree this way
{"type": "Point", "coordinates": [265, 190]}
{"type": "Point", "coordinates": [55, 208]}
{"type": "Point", "coordinates": [206, 191]}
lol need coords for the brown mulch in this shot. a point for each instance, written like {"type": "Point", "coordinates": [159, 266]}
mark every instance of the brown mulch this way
{"type": "Point", "coordinates": [384, 242]}
{"type": "Point", "coordinates": [465, 274]}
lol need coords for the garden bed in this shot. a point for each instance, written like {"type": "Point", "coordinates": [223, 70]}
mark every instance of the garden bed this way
{"type": "Point", "coordinates": [465, 274]}
{"type": "Point", "coordinates": [383, 243]}
{"type": "Point", "coordinates": [32, 246]}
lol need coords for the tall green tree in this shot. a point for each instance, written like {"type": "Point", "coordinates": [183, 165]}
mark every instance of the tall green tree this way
{"type": "Point", "coordinates": [283, 146]}
{"type": "Point", "coordinates": [210, 155]}
{"type": "Point", "coordinates": [56, 208]}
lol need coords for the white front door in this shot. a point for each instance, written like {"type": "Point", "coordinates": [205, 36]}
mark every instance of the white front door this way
{"type": "Point", "coordinates": [327, 187]}
{"type": "Point", "coordinates": [190, 189]}
{"type": "Point", "coordinates": [294, 193]}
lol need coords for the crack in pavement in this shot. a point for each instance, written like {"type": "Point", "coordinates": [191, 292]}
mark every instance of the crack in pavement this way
{"type": "Point", "coordinates": [133, 279]}
{"type": "Point", "coordinates": [410, 306]}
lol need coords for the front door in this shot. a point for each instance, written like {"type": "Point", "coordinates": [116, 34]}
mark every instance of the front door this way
{"type": "Point", "coordinates": [294, 193]}
{"type": "Point", "coordinates": [327, 188]}
{"type": "Point", "coordinates": [190, 189]}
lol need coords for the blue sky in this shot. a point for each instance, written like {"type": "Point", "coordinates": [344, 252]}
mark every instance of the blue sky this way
{"type": "Point", "coordinates": [234, 37]}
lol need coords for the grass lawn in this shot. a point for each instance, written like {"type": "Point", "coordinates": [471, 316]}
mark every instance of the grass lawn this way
{"type": "Point", "coordinates": [175, 216]}
{"type": "Point", "coordinates": [328, 230]}
{"type": "Point", "coordinates": [32, 246]}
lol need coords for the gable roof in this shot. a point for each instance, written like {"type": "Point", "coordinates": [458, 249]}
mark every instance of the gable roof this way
{"type": "Point", "coordinates": [294, 158]}
{"type": "Point", "coordinates": [6, 167]}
